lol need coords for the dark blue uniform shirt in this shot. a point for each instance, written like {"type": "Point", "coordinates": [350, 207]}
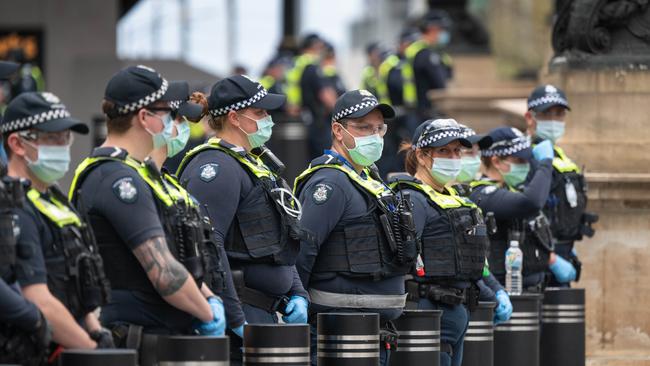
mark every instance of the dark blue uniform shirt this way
{"type": "Point", "coordinates": [222, 194]}
{"type": "Point", "coordinates": [344, 201]}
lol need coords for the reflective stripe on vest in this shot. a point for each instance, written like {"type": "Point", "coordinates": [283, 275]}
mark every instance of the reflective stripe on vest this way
{"type": "Point", "coordinates": [294, 91]}
{"type": "Point", "coordinates": [267, 81]}
{"type": "Point", "coordinates": [409, 93]}
{"type": "Point", "coordinates": [562, 163]}
{"type": "Point", "coordinates": [58, 212]}
{"type": "Point", "coordinates": [156, 185]}
{"type": "Point", "coordinates": [376, 188]}
{"type": "Point", "coordinates": [369, 78]}
{"type": "Point", "coordinates": [257, 167]}
{"type": "Point", "coordinates": [444, 201]}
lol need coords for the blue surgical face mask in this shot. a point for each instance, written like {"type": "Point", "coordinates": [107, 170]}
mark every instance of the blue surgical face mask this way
{"type": "Point", "coordinates": [52, 163]}
{"type": "Point", "coordinates": [550, 129]}
{"type": "Point", "coordinates": [517, 174]}
{"type": "Point", "coordinates": [161, 138]}
{"type": "Point", "coordinates": [263, 133]}
{"type": "Point", "coordinates": [444, 37]}
{"type": "Point", "coordinates": [177, 143]}
{"type": "Point", "coordinates": [469, 167]}
{"type": "Point", "coordinates": [367, 149]}
{"type": "Point", "coordinates": [445, 170]}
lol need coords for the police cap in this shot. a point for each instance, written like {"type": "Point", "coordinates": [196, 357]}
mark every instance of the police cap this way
{"type": "Point", "coordinates": [483, 141]}
{"type": "Point", "coordinates": [238, 92]}
{"type": "Point", "coordinates": [508, 141]}
{"type": "Point", "coordinates": [438, 132]}
{"type": "Point", "coordinates": [358, 103]}
{"type": "Point", "coordinates": [41, 111]}
{"type": "Point", "coordinates": [545, 97]}
{"type": "Point", "coordinates": [136, 87]}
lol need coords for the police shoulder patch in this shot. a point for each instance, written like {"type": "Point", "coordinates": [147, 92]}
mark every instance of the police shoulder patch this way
{"type": "Point", "coordinates": [125, 190]}
{"type": "Point", "coordinates": [322, 193]}
{"type": "Point", "coordinates": [208, 171]}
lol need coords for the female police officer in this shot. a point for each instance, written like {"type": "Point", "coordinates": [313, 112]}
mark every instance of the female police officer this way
{"type": "Point", "coordinates": [134, 218]}
{"type": "Point", "coordinates": [470, 164]}
{"type": "Point", "coordinates": [248, 203]}
{"type": "Point", "coordinates": [453, 236]}
{"type": "Point", "coordinates": [517, 207]}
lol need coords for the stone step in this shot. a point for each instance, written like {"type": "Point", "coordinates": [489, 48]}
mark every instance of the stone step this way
{"type": "Point", "coordinates": [619, 359]}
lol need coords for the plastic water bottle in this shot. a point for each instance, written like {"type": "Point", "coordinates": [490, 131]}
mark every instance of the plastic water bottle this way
{"type": "Point", "coordinates": [514, 263]}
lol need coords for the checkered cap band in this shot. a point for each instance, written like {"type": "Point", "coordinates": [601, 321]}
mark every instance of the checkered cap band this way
{"type": "Point", "coordinates": [27, 122]}
{"type": "Point", "coordinates": [239, 105]}
{"type": "Point", "coordinates": [428, 137]}
{"type": "Point", "coordinates": [507, 147]}
{"type": "Point", "coordinates": [467, 132]}
{"type": "Point", "coordinates": [175, 104]}
{"type": "Point", "coordinates": [548, 99]}
{"type": "Point", "coordinates": [129, 108]}
{"type": "Point", "coordinates": [348, 111]}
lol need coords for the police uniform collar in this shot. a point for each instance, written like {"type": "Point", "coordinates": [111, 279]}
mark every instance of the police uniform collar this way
{"type": "Point", "coordinates": [341, 160]}
{"type": "Point", "coordinates": [110, 151]}
{"type": "Point", "coordinates": [237, 149]}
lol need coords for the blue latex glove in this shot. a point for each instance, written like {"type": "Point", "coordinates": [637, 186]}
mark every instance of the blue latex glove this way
{"type": "Point", "coordinates": [563, 270]}
{"type": "Point", "coordinates": [503, 310]}
{"type": "Point", "coordinates": [207, 329]}
{"type": "Point", "coordinates": [218, 313]}
{"type": "Point", "coordinates": [543, 150]}
{"type": "Point", "coordinates": [239, 330]}
{"type": "Point", "coordinates": [296, 310]}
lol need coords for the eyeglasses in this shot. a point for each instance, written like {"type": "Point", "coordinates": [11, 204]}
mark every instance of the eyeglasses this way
{"type": "Point", "coordinates": [48, 138]}
{"type": "Point", "coordinates": [552, 113]}
{"type": "Point", "coordinates": [367, 130]}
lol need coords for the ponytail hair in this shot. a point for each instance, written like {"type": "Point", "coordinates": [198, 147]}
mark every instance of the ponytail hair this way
{"type": "Point", "coordinates": [410, 161]}
{"type": "Point", "coordinates": [215, 123]}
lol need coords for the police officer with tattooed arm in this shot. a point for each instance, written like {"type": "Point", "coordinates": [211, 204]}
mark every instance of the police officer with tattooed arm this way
{"type": "Point", "coordinates": [58, 266]}
{"type": "Point", "coordinates": [154, 284]}
{"type": "Point", "coordinates": [364, 233]}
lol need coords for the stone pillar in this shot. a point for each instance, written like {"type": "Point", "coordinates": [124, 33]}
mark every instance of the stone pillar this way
{"type": "Point", "coordinates": [602, 63]}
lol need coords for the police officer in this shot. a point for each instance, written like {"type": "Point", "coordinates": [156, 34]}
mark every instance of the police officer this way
{"type": "Point", "coordinates": [430, 68]}
{"type": "Point", "coordinates": [24, 332]}
{"type": "Point", "coordinates": [249, 204]}
{"type": "Point", "coordinates": [517, 207]}
{"type": "Point", "coordinates": [470, 164]}
{"type": "Point", "coordinates": [370, 72]}
{"type": "Point", "coordinates": [58, 266]}
{"type": "Point", "coordinates": [330, 71]}
{"type": "Point", "coordinates": [217, 275]}
{"type": "Point", "coordinates": [346, 205]}
{"type": "Point", "coordinates": [155, 282]}
{"type": "Point", "coordinates": [396, 86]}
{"type": "Point", "coordinates": [567, 202]}
{"type": "Point", "coordinates": [453, 236]}
{"type": "Point", "coordinates": [308, 93]}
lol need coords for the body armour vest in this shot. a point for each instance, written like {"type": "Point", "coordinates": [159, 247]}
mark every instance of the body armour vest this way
{"type": "Point", "coordinates": [456, 247]}
{"type": "Point", "coordinates": [380, 244]}
{"type": "Point", "coordinates": [568, 199]}
{"type": "Point", "coordinates": [75, 271]}
{"type": "Point", "coordinates": [534, 237]}
{"type": "Point", "coordinates": [261, 231]}
{"type": "Point", "coordinates": [187, 231]}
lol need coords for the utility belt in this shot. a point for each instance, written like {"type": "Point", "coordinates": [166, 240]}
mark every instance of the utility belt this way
{"type": "Point", "coordinates": [442, 294]}
{"type": "Point", "coordinates": [258, 299]}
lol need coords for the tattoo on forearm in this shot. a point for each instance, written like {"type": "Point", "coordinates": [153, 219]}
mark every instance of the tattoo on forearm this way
{"type": "Point", "coordinates": [165, 273]}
